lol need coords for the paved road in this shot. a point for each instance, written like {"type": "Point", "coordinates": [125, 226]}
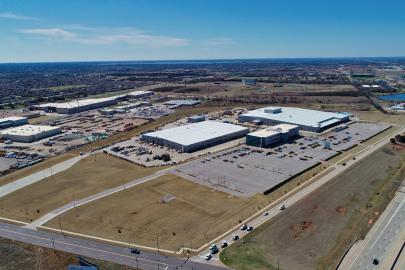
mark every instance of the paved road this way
{"type": "Point", "coordinates": [38, 176]}
{"type": "Point", "coordinates": [273, 210]}
{"type": "Point", "coordinates": [383, 242]}
{"type": "Point", "coordinates": [97, 250]}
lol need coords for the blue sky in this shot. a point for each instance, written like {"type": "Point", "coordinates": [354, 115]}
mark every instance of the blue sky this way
{"type": "Point", "coordinates": [87, 30]}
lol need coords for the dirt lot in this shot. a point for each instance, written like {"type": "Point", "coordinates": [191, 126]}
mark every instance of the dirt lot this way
{"type": "Point", "coordinates": [315, 233]}
{"type": "Point", "coordinates": [89, 176]}
{"type": "Point", "coordinates": [16, 255]}
{"type": "Point", "coordinates": [176, 210]}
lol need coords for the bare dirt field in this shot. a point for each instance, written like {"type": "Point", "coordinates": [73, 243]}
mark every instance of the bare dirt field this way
{"type": "Point", "coordinates": [315, 233]}
{"type": "Point", "coordinates": [176, 211]}
{"type": "Point", "coordinates": [87, 177]}
{"type": "Point", "coordinates": [22, 256]}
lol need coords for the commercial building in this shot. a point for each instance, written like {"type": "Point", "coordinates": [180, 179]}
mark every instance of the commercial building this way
{"type": "Point", "coordinates": [12, 121]}
{"type": "Point", "coordinates": [182, 102]}
{"type": "Point", "coordinates": [139, 94]}
{"type": "Point", "coordinates": [305, 119]}
{"type": "Point", "coordinates": [29, 133]}
{"type": "Point", "coordinates": [196, 136]}
{"type": "Point", "coordinates": [78, 105]}
{"type": "Point", "coordinates": [272, 135]}
{"type": "Point", "coordinates": [196, 118]}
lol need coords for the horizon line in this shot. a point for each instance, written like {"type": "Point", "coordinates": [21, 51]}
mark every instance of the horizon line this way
{"type": "Point", "coordinates": [199, 59]}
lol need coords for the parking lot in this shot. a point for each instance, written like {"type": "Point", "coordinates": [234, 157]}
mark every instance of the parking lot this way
{"type": "Point", "coordinates": [246, 170]}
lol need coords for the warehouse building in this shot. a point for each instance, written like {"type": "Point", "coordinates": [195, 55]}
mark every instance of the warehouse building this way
{"type": "Point", "coordinates": [195, 136]}
{"type": "Point", "coordinates": [29, 133]}
{"type": "Point", "coordinates": [12, 121]}
{"type": "Point", "coordinates": [272, 135]}
{"type": "Point", "coordinates": [139, 94]}
{"type": "Point", "coordinates": [78, 105]}
{"type": "Point", "coordinates": [309, 120]}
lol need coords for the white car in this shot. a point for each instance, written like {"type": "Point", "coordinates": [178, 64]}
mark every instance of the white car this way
{"type": "Point", "coordinates": [265, 214]}
{"type": "Point", "coordinates": [208, 257]}
{"type": "Point", "coordinates": [282, 207]}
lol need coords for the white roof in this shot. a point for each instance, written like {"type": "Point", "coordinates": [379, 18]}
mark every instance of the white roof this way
{"type": "Point", "coordinates": [196, 132]}
{"type": "Point", "coordinates": [12, 119]}
{"type": "Point", "coordinates": [277, 129]}
{"type": "Point", "coordinates": [27, 130]}
{"type": "Point", "coordinates": [140, 93]}
{"type": "Point", "coordinates": [77, 103]}
{"type": "Point", "coordinates": [296, 116]}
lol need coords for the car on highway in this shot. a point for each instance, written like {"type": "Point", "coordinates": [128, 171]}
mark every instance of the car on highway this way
{"type": "Point", "coordinates": [282, 207]}
{"type": "Point", "coordinates": [249, 229]}
{"type": "Point", "coordinates": [265, 214]}
{"type": "Point", "coordinates": [135, 251]}
{"type": "Point", "coordinates": [243, 227]}
{"type": "Point", "coordinates": [208, 257]}
{"type": "Point", "coordinates": [235, 237]}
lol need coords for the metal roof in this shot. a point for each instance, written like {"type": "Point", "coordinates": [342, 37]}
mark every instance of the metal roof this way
{"type": "Point", "coordinates": [197, 132]}
{"type": "Point", "coordinates": [27, 130]}
{"type": "Point", "coordinates": [297, 116]}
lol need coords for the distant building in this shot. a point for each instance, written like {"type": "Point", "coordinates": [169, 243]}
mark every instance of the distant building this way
{"type": "Point", "coordinates": [182, 102]}
{"type": "Point", "coordinates": [139, 94]}
{"type": "Point", "coordinates": [196, 118]}
{"type": "Point", "coordinates": [29, 133]}
{"type": "Point", "coordinates": [272, 135]}
{"type": "Point", "coordinates": [12, 121]}
{"type": "Point", "coordinates": [309, 120]}
{"type": "Point", "coordinates": [398, 107]}
{"type": "Point", "coordinates": [196, 136]}
{"type": "Point", "coordinates": [249, 81]}
{"type": "Point", "coordinates": [78, 105]}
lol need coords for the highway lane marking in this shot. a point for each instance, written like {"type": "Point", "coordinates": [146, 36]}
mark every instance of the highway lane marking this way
{"type": "Point", "coordinates": [90, 248]}
{"type": "Point", "coordinates": [387, 223]}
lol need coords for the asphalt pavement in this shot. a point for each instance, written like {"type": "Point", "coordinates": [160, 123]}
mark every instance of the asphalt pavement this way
{"type": "Point", "coordinates": [98, 250]}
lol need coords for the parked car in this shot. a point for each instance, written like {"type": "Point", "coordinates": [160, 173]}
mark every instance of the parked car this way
{"type": "Point", "coordinates": [282, 207]}
{"type": "Point", "coordinates": [235, 237]}
{"type": "Point", "coordinates": [243, 227]}
{"type": "Point", "coordinates": [250, 228]}
{"type": "Point", "coordinates": [208, 257]}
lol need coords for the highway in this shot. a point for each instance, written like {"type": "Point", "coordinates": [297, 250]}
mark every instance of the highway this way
{"type": "Point", "coordinates": [288, 200]}
{"type": "Point", "coordinates": [97, 250]}
{"type": "Point", "coordinates": [384, 241]}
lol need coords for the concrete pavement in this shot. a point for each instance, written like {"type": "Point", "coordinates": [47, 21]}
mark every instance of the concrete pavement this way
{"type": "Point", "coordinates": [288, 199]}
{"type": "Point", "coordinates": [383, 244]}
{"type": "Point", "coordinates": [38, 176]}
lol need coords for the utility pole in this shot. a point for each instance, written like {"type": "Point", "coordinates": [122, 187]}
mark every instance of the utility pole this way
{"type": "Point", "coordinates": [157, 242]}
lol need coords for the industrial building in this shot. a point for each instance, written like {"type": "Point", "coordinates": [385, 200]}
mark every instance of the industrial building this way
{"type": "Point", "coordinates": [195, 136]}
{"type": "Point", "coordinates": [196, 118]}
{"type": "Point", "coordinates": [12, 121]}
{"type": "Point", "coordinates": [139, 94]}
{"type": "Point", "coordinates": [182, 102]}
{"type": "Point", "coordinates": [272, 135]}
{"type": "Point", "coordinates": [309, 120]}
{"type": "Point", "coordinates": [78, 105]}
{"type": "Point", "coordinates": [29, 133]}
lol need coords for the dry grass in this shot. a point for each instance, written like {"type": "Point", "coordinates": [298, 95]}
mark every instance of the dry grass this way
{"type": "Point", "coordinates": [89, 176]}
{"type": "Point", "coordinates": [192, 214]}
{"type": "Point", "coordinates": [314, 233]}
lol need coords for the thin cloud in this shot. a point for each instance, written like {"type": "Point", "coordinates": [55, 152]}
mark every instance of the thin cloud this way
{"type": "Point", "coordinates": [105, 36]}
{"type": "Point", "coordinates": [13, 16]}
{"type": "Point", "coordinates": [49, 32]}
{"type": "Point", "coordinates": [219, 41]}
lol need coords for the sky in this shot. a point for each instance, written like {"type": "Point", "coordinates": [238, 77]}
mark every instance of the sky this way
{"type": "Point", "coordinates": [97, 30]}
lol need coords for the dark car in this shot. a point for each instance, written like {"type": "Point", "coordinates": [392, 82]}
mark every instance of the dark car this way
{"type": "Point", "coordinates": [135, 251]}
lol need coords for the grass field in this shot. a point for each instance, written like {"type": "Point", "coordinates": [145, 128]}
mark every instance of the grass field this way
{"type": "Point", "coordinates": [177, 211]}
{"type": "Point", "coordinates": [89, 176]}
{"type": "Point", "coordinates": [315, 233]}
